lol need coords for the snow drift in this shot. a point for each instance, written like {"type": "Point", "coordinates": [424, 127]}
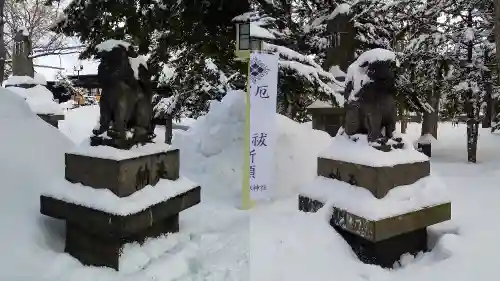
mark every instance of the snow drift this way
{"type": "Point", "coordinates": [215, 144]}
{"type": "Point", "coordinates": [31, 154]}
{"type": "Point", "coordinates": [39, 98]}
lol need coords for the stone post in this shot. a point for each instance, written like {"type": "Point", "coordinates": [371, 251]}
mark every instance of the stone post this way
{"type": "Point", "coordinates": [168, 128]}
{"type": "Point", "coordinates": [22, 64]}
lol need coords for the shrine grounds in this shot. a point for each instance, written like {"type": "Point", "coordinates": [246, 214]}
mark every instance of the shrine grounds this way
{"type": "Point", "coordinates": [217, 241]}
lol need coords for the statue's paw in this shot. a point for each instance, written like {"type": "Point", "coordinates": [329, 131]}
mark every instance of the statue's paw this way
{"type": "Point", "coordinates": [398, 139]}
{"type": "Point", "coordinates": [399, 145]}
{"type": "Point", "coordinates": [113, 134]}
{"type": "Point", "coordinates": [97, 132]}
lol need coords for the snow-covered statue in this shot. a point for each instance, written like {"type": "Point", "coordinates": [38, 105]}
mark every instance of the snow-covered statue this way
{"type": "Point", "coordinates": [125, 103]}
{"type": "Point", "coordinates": [371, 98]}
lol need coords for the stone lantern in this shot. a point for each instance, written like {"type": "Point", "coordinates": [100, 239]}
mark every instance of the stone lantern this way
{"type": "Point", "coordinates": [250, 37]}
{"type": "Point", "coordinates": [341, 42]}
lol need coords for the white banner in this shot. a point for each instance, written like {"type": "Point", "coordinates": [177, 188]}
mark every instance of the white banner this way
{"type": "Point", "coordinates": [263, 99]}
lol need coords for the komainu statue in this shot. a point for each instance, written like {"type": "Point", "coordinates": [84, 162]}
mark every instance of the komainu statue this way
{"type": "Point", "coordinates": [125, 103]}
{"type": "Point", "coordinates": [371, 99]}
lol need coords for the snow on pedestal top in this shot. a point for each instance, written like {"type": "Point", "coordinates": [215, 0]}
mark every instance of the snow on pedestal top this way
{"type": "Point", "coordinates": [40, 99]}
{"type": "Point", "coordinates": [360, 152]}
{"type": "Point", "coordinates": [108, 45]}
{"type": "Point", "coordinates": [106, 201]}
{"type": "Point", "coordinates": [20, 80]}
{"type": "Point", "coordinates": [426, 192]}
{"type": "Point", "coordinates": [111, 153]}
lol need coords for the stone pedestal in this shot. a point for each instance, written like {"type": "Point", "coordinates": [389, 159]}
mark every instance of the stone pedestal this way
{"type": "Point", "coordinates": [425, 148]}
{"type": "Point", "coordinates": [95, 233]}
{"type": "Point", "coordinates": [379, 180]}
{"type": "Point", "coordinates": [379, 240]}
{"type": "Point", "coordinates": [328, 119]}
{"type": "Point", "coordinates": [122, 177]}
{"type": "Point", "coordinates": [52, 119]}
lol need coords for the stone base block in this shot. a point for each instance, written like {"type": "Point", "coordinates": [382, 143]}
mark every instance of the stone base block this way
{"type": "Point", "coordinates": [425, 149]}
{"type": "Point", "coordinates": [97, 238]}
{"type": "Point", "coordinates": [387, 252]}
{"type": "Point", "coordinates": [379, 180]}
{"type": "Point", "coordinates": [382, 242]}
{"type": "Point", "coordinates": [52, 119]}
{"type": "Point", "coordinates": [110, 225]}
{"type": "Point", "coordinates": [382, 229]}
{"type": "Point", "coordinates": [94, 250]}
{"type": "Point", "coordinates": [122, 177]}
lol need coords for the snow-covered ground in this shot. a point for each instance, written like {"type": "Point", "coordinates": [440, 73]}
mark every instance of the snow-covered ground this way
{"type": "Point", "coordinates": [217, 241]}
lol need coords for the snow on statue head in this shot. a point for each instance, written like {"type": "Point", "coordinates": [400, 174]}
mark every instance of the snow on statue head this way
{"type": "Point", "coordinates": [125, 103]}
{"type": "Point", "coordinates": [370, 99]}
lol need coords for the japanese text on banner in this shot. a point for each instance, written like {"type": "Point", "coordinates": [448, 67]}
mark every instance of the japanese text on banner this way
{"type": "Point", "coordinates": [263, 98]}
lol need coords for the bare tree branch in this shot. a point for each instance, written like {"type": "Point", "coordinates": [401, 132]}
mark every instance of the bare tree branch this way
{"type": "Point", "coordinates": [37, 19]}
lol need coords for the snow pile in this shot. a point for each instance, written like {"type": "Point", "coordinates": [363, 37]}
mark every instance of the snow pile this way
{"type": "Point", "coordinates": [357, 71]}
{"type": "Point", "coordinates": [212, 244]}
{"type": "Point", "coordinates": [215, 144]}
{"type": "Point", "coordinates": [39, 79]}
{"type": "Point", "coordinates": [79, 122]}
{"type": "Point", "coordinates": [359, 201]}
{"type": "Point", "coordinates": [31, 154]}
{"type": "Point", "coordinates": [39, 98]}
{"type": "Point", "coordinates": [106, 201]}
{"type": "Point", "coordinates": [67, 105]}
{"type": "Point", "coordinates": [360, 152]}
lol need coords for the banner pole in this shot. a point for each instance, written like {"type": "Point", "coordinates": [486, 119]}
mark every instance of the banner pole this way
{"type": "Point", "coordinates": [247, 202]}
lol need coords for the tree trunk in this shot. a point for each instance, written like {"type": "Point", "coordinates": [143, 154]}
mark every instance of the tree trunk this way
{"type": "Point", "coordinates": [471, 107]}
{"type": "Point", "coordinates": [434, 116]}
{"type": "Point", "coordinates": [488, 113]}
{"type": "Point", "coordinates": [429, 119]}
{"type": "Point", "coordinates": [3, 53]}
{"type": "Point", "coordinates": [497, 44]}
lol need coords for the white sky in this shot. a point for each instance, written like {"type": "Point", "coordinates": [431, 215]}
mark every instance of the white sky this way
{"type": "Point", "coordinates": [68, 62]}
